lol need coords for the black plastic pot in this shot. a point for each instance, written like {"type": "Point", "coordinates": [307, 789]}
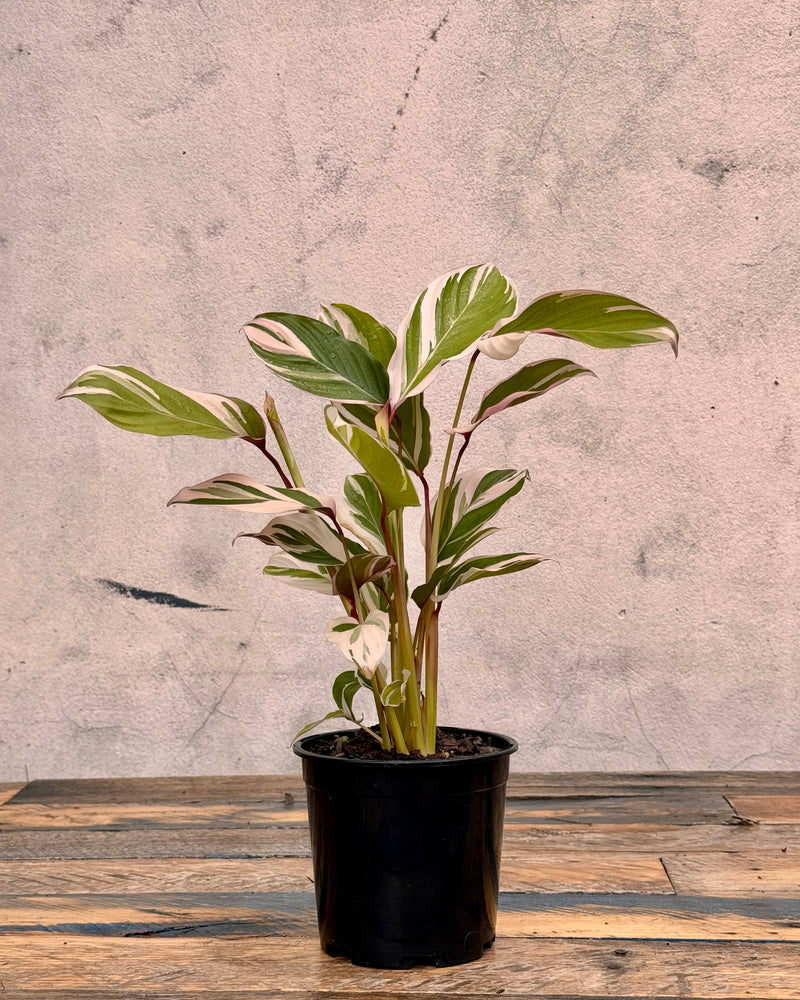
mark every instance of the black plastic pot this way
{"type": "Point", "coordinates": [407, 854]}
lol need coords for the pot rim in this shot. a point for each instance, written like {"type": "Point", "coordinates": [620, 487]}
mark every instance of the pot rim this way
{"type": "Point", "coordinates": [504, 751]}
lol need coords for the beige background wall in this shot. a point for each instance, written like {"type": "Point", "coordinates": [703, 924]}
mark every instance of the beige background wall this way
{"type": "Point", "coordinates": [172, 167]}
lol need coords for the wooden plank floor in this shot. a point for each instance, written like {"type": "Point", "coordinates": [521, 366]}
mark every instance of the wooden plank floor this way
{"type": "Point", "coordinates": [613, 886]}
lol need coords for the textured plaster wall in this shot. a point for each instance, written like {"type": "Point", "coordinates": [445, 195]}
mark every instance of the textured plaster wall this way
{"type": "Point", "coordinates": [172, 167]}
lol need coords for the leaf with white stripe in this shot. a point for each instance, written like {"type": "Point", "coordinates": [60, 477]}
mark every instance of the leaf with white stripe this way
{"type": "Point", "coordinates": [362, 514]}
{"type": "Point", "coordinates": [595, 318]}
{"type": "Point", "coordinates": [304, 535]}
{"type": "Point", "coordinates": [134, 401]}
{"type": "Point", "coordinates": [530, 382]}
{"type": "Point", "coordinates": [476, 497]}
{"type": "Point", "coordinates": [446, 321]}
{"type": "Point", "coordinates": [299, 574]}
{"type": "Point", "coordinates": [362, 642]}
{"type": "Point", "coordinates": [378, 461]}
{"type": "Point", "coordinates": [409, 433]}
{"type": "Point", "coordinates": [359, 326]}
{"type": "Point", "coordinates": [447, 578]}
{"type": "Point", "coordinates": [235, 490]}
{"type": "Point", "coordinates": [317, 358]}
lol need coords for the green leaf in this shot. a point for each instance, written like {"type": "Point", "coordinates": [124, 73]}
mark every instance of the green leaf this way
{"type": "Point", "coordinates": [447, 578]}
{"type": "Point", "coordinates": [304, 535]}
{"type": "Point", "coordinates": [337, 714]}
{"type": "Point", "coordinates": [345, 688]}
{"type": "Point", "coordinates": [595, 318]}
{"type": "Point", "coordinates": [409, 433]}
{"type": "Point", "coordinates": [317, 358]}
{"type": "Point", "coordinates": [477, 495]}
{"type": "Point", "coordinates": [381, 464]}
{"type": "Point", "coordinates": [445, 322]}
{"type": "Point", "coordinates": [394, 693]}
{"type": "Point", "coordinates": [362, 642]}
{"type": "Point", "coordinates": [529, 382]}
{"type": "Point", "coordinates": [136, 402]}
{"type": "Point", "coordinates": [360, 327]}
{"type": "Point", "coordinates": [235, 490]}
{"type": "Point", "coordinates": [365, 568]}
{"type": "Point", "coordinates": [298, 574]}
{"type": "Point", "coordinates": [363, 511]}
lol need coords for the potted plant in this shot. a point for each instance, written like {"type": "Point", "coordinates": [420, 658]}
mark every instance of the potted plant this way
{"type": "Point", "coordinates": [406, 816]}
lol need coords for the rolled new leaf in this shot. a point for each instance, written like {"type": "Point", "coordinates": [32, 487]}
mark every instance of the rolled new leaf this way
{"type": "Point", "coordinates": [235, 490]}
{"type": "Point", "coordinates": [445, 322]}
{"type": "Point", "coordinates": [594, 318]}
{"type": "Point", "coordinates": [317, 358]}
{"type": "Point", "coordinates": [528, 383]}
{"type": "Point", "coordinates": [409, 433]}
{"type": "Point", "coordinates": [134, 401]}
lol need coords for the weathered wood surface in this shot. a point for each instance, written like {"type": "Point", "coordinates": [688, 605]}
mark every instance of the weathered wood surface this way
{"type": "Point", "coordinates": [614, 886]}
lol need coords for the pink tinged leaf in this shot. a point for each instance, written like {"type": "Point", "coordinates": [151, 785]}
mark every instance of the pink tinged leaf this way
{"type": "Point", "coordinates": [235, 490]}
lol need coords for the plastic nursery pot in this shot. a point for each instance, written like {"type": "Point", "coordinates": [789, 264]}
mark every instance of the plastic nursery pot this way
{"type": "Point", "coordinates": [407, 853]}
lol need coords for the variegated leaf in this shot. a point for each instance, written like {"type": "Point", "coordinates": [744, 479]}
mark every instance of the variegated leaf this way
{"type": "Point", "coordinates": [476, 497]}
{"type": "Point", "coordinates": [362, 514]}
{"type": "Point", "coordinates": [359, 326]}
{"type": "Point", "coordinates": [134, 401]}
{"type": "Point", "coordinates": [595, 318]}
{"type": "Point", "coordinates": [235, 490]}
{"type": "Point", "coordinates": [528, 383]}
{"type": "Point", "coordinates": [445, 322]}
{"type": "Point", "coordinates": [345, 688]}
{"type": "Point", "coordinates": [409, 433]}
{"type": "Point", "coordinates": [299, 574]}
{"type": "Point", "coordinates": [304, 535]}
{"type": "Point", "coordinates": [317, 358]}
{"type": "Point", "coordinates": [362, 642]}
{"type": "Point", "coordinates": [394, 693]}
{"type": "Point", "coordinates": [447, 578]}
{"type": "Point", "coordinates": [335, 714]}
{"type": "Point", "coordinates": [364, 569]}
{"type": "Point", "coordinates": [381, 464]}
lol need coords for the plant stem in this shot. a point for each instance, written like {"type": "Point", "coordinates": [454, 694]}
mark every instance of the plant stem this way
{"type": "Point", "coordinates": [271, 412]}
{"type": "Point", "coordinates": [376, 691]}
{"type": "Point", "coordinates": [441, 499]}
{"type": "Point", "coordinates": [431, 679]}
{"type": "Point", "coordinates": [262, 447]}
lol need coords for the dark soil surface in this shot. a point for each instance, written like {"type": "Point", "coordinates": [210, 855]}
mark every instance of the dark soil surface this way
{"type": "Point", "coordinates": [358, 746]}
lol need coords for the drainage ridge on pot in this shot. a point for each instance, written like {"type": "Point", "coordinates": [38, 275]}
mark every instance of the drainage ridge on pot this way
{"type": "Point", "coordinates": [407, 853]}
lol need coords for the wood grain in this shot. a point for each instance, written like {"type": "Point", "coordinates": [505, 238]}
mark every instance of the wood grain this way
{"type": "Point", "coordinates": [767, 808]}
{"type": "Point", "coordinates": [526, 967]}
{"type": "Point", "coordinates": [717, 874]}
{"type": "Point", "coordinates": [8, 789]}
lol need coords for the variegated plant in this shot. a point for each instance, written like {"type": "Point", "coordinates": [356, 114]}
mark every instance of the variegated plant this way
{"type": "Point", "coordinates": [373, 381]}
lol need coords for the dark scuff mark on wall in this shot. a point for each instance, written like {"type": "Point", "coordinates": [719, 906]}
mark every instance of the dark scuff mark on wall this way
{"type": "Point", "coordinates": [155, 596]}
{"type": "Point", "coordinates": [714, 170]}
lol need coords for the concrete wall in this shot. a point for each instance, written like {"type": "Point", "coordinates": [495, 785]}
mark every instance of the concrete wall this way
{"type": "Point", "coordinates": [171, 167]}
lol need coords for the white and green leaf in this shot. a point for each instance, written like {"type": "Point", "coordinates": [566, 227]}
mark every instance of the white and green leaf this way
{"type": "Point", "coordinates": [449, 577]}
{"type": "Point", "coordinates": [409, 432]}
{"type": "Point", "coordinates": [317, 358]}
{"type": "Point", "coordinates": [445, 322]}
{"type": "Point", "coordinates": [530, 382]}
{"type": "Point", "coordinates": [394, 693]}
{"type": "Point", "coordinates": [304, 535]}
{"type": "Point", "coordinates": [377, 460]}
{"type": "Point", "coordinates": [594, 318]}
{"type": "Point", "coordinates": [362, 511]}
{"type": "Point", "coordinates": [360, 327]}
{"type": "Point", "coordinates": [299, 574]}
{"type": "Point", "coordinates": [477, 495]}
{"type": "Point", "coordinates": [134, 401]}
{"type": "Point", "coordinates": [365, 568]}
{"type": "Point", "coordinates": [362, 642]}
{"type": "Point", "coordinates": [235, 490]}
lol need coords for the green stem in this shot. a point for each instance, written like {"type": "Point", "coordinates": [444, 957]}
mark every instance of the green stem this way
{"type": "Point", "coordinates": [431, 679]}
{"type": "Point", "coordinates": [441, 499]}
{"type": "Point", "coordinates": [271, 412]}
{"type": "Point", "coordinates": [376, 691]}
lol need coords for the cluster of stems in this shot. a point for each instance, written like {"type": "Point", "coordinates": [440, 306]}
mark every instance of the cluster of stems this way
{"type": "Point", "coordinates": [414, 653]}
